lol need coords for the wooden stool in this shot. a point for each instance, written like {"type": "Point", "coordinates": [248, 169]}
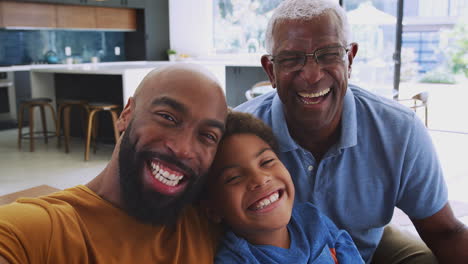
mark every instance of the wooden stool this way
{"type": "Point", "coordinates": [30, 104]}
{"type": "Point", "coordinates": [93, 109]}
{"type": "Point", "coordinates": [65, 107]}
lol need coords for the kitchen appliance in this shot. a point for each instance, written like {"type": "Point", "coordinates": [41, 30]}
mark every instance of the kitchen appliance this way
{"type": "Point", "coordinates": [7, 97]}
{"type": "Point", "coordinates": [51, 57]}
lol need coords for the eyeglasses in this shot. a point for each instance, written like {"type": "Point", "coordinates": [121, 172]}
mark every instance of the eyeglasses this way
{"type": "Point", "coordinates": [294, 61]}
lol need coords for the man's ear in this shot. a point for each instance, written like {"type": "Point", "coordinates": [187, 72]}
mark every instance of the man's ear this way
{"type": "Point", "coordinates": [351, 54]}
{"type": "Point", "coordinates": [126, 115]}
{"type": "Point", "coordinates": [267, 65]}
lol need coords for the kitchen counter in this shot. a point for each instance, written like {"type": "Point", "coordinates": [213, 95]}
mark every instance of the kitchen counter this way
{"type": "Point", "coordinates": [119, 67]}
{"type": "Point", "coordinates": [241, 76]}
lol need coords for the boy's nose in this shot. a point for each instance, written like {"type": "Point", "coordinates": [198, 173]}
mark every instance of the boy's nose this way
{"type": "Point", "coordinates": [258, 180]}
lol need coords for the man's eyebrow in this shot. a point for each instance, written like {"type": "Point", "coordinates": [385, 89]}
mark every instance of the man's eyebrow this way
{"type": "Point", "coordinates": [215, 123]}
{"type": "Point", "coordinates": [171, 103]}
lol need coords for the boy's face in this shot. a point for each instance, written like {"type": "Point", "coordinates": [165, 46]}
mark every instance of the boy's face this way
{"type": "Point", "coordinates": [251, 190]}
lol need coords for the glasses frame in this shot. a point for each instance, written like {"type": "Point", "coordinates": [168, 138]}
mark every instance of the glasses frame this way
{"type": "Point", "coordinates": [313, 54]}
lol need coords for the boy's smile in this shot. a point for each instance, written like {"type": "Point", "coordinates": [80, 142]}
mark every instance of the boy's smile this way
{"type": "Point", "coordinates": [251, 189]}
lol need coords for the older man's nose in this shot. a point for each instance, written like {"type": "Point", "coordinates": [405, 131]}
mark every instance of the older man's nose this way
{"type": "Point", "coordinates": [311, 71]}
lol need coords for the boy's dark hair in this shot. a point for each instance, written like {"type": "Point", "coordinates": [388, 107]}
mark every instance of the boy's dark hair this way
{"type": "Point", "coordinates": [245, 123]}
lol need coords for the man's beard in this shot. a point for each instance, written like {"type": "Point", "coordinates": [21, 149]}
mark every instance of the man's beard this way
{"type": "Point", "coordinates": [145, 204]}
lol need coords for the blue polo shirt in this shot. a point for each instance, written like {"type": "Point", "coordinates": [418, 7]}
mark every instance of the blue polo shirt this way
{"type": "Point", "coordinates": [384, 158]}
{"type": "Point", "coordinates": [312, 236]}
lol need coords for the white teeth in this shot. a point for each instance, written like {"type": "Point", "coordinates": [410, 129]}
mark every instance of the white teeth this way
{"type": "Point", "coordinates": [164, 176]}
{"type": "Point", "coordinates": [313, 95]}
{"type": "Point", "coordinates": [270, 199]}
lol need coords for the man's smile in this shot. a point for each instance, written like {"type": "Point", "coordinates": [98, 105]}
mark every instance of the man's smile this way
{"type": "Point", "coordinates": [313, 98]}
{"type": "Point", "coordinates": [164, 178]}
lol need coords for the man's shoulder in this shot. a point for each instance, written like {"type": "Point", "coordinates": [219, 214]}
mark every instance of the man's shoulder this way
{"type": "Point", "coordinates": [40, 209]}
{"type": "Point", "coordinates": [23, 211]}
{"type": "Point", "coordinates": [258, 105]}
{"type": "Point", "coordinates": [372, 107]}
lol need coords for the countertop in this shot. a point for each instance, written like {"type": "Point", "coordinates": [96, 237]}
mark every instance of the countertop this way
{"type": "Point", "coordinates": [118, 68]}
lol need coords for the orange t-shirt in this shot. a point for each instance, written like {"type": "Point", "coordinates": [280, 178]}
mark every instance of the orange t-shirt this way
{"type": "Point", "coordinates": [78, 226]}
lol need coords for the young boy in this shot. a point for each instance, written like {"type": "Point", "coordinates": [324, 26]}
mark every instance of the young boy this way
{"type": "Point", "coordinates": [251, 192]}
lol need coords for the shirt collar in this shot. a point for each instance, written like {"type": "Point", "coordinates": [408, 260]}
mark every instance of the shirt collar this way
{"type": "Point", "coordinates": [279, 126]}
{"type": "Point", "coordinates": [348, 136]}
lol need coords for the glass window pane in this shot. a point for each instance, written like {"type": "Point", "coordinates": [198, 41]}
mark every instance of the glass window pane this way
{"type": "Point", "coordinates": [434, 56]}
{"type": "Point", "coordinates": [239, 25]}
{"type": "Point", "coordinates": [373, 25]}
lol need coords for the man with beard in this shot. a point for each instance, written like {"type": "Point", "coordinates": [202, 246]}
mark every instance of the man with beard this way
{"type": "Point", "coordinates": [136, 210]}
{"type": "Point", "coordinates": [351, 153]}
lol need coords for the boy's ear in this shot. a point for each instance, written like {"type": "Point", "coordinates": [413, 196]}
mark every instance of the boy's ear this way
{"type": "Point", "coordinates": [211, 211]}
{"type": "Point", "coordinates": [126, 115]}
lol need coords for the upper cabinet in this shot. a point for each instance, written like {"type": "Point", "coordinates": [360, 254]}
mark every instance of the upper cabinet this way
{"type": "Point", "coordinates": [38, 15]}
{"type": "Point", "coordinates": [24, 15]}
{"type": "Point", "coordinates": [116, 18]}
{"type": "Point", "coordinates": [76, 17]}
{"type": "Point", "coordinates": [104, 3]}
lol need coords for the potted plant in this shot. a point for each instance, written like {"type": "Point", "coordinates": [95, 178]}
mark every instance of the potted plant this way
{"type": "Point", "coordinates": [172, 54]}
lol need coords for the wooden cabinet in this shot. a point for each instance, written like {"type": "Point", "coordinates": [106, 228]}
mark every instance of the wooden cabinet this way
{"type": "Point", "coordinates": [77, 17]}
{"type": "Point", "coordinates": [37, 15]}
{"type": "Point", "coordinates": [24, 15]}
{"type": "Point", "coordinates": [106, 3]}
{"type": "Point", "coordinates": [115, 18]}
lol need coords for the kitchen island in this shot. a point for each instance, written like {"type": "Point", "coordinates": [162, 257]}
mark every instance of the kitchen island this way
{"type": "Point", "coordinates": [117, 81]}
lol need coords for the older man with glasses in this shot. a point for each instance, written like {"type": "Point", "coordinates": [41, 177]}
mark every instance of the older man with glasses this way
{"type": "Point", "coordinates": [353, 154]}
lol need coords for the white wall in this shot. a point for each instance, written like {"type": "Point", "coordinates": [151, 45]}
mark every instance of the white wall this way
{"type": "Point", "coordinates": [191, 27]}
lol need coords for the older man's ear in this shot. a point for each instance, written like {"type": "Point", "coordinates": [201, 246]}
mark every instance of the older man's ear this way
{"type": "Point", "coordinates": [267, 65]}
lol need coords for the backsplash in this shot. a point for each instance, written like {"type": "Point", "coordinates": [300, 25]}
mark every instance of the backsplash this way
{"type": "Point", "coordinates": [30, 46]}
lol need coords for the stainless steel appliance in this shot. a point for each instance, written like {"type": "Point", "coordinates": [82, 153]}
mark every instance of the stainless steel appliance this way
{"type": "Point", "coordinates": [7, 97]}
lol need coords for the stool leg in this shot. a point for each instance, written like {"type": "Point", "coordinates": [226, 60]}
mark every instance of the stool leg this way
{"type": "Point", "coordinates": [84, 113]}
{"type": "Point", "coordinates": [58, 125]}
{"type": "Point", "coordinates": [88, 135]}
{"type": "Point", "coordinates": [66, 127]}
{"type": "Point", "coordinates": [44, 123]}
{"type": "Point", "coordinates": [114, 124]}
{"type": "Point", "coordinates": [20, 125]}
{"type": "Point", "coordinates": [95, 131]}
{"type": "Point", "coordinates": [53, 116]}
{"type": "Point", "coordinates": [31, 128]}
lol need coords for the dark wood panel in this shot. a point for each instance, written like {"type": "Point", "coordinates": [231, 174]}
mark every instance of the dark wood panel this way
{"type": "Point", "coordinates": [115, 18]}
{"type": "Point", "coordinates": [76, 16]}
{"type": "Point", "coordinates": [15, 14]}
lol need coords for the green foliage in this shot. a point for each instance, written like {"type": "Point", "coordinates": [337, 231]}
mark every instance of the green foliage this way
{"type": "Point", "coordinates": [171, 52]}
{"type": "Point", "coordinates": [225, 7]}
{"type": "Point", "coordinates": [457, 50]}
{"type": "Point", "coordinates": [438, 75]}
